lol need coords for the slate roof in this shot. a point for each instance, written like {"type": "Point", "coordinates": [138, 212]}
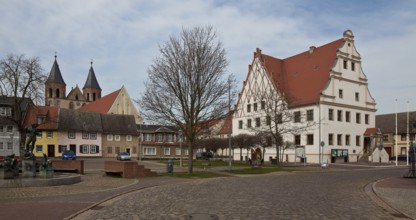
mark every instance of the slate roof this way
{"type": "Point", "coordinates": [387, 122]}
{"type": "Point", "coordinates": [10, 101]}
{"type": "Point", "coordinates": [101, 105]}
{"type": "Point", "coordinates": [91, 80]}
{"type": "Point", "coordinates": [55, 75]}
{"type": "Point", "coordinates": [119, 124]}
{"type": "Point", "coordinates": [70, 120]}
{"type": "Point", "coordinates": [302, 77]}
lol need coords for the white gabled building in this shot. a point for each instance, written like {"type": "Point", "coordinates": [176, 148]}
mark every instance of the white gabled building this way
{"type": "Point", "coordinates": [328, 86]}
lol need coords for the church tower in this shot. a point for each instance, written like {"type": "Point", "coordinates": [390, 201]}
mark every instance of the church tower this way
{"type": "Point", "coordinates": [91, 89]}
{"type": "Point", "coordinates": [55, 86]}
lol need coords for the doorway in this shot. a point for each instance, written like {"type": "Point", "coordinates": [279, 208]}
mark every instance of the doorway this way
{"type": "Point", "coordinates": [51, 150]}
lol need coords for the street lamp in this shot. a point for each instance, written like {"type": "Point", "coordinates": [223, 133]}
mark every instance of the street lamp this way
{"type": "Point", "coordinates": [140, 141]}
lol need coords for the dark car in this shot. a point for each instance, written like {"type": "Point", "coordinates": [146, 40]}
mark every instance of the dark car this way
{"type": "Point", "coordinates": [402, 157]}
{"type": "Point", "coordinates": [123, 156]}
{"type": "Point", "coordinates": [69, 155]}
{"type": "Point", "coordinates": [204, 155]}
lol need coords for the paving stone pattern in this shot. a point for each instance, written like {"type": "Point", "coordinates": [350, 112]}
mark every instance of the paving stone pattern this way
{"type": "Point", "coordinates": [300, 195]}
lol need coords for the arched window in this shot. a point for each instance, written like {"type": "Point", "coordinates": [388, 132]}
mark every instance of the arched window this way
{"type": "Point", "coordinates": [93, 96]}
{"type": "Point", "coordinates": [76, 97]}
{"type": "Point", "coordinates": [57, 93]}
{"type": "Point", "coordinates": [88, 97]}
{"type": "Point", "coordinates": [50, 92]}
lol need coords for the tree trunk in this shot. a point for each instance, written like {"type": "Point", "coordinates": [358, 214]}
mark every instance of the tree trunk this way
{"type": "Point", "coordinates": [241, 154]}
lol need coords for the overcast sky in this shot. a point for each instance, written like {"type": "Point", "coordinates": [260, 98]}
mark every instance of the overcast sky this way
{"type": "Point", "coordinates": [123, 37]}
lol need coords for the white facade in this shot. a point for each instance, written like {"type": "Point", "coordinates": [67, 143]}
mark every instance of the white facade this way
{"type": "Point", "coordinates": [342, 112]}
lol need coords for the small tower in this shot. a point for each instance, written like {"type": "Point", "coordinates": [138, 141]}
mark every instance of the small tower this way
{"type": "Point", "coordinates": [55, 86]}
{"type": "Point", "coordinates": [91, 89]}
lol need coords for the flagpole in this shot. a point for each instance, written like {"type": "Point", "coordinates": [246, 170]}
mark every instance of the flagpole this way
{"type": "Point", "coordinates": [395, 142]}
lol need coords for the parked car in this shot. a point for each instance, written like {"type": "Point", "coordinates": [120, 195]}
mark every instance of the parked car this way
{"type": "Point", "coordinates": [123, 156]}
{"type": "Point", "coordinates": [204, 155]}
{"type": "Point", "coordinates": [401, 157]}
{"type": "Point", "coordinates": [69, 155]}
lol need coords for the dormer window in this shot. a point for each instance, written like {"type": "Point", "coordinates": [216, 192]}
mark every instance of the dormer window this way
{"type": "Point", "coordinates": [352, 66]}
{"type": "Point", "coordinates": [345, 64]}
{"type": "Point", "coordinates": [5, 111]}
{"type": "Point", "coordinates": [340, 94]}
{"type": "Point", "coordinates": [41, 119]}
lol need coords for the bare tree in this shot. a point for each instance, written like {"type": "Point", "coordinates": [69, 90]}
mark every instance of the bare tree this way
{"type": "Point", "coordinates": [187, 83]}
{"type": "Point", "coordinates": [244, 141]}
{"type": "Point", "coordinates": [21, 79]}
{"type": "Point", "coordinates": [280, 120]}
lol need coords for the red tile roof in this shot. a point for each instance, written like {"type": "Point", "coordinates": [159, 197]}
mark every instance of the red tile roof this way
{"type": "Point", "coordinates": [50, 112]}
{"type": "Point", "coordinates": [101, 105]}
{"type": "Point", "coordinates": [370, 131]}
{"type": "Point", "coordinates": [302, 77]}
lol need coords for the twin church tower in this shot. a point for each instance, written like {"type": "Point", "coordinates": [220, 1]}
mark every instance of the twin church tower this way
{"type": "Point", "coordinates": [55, 90]}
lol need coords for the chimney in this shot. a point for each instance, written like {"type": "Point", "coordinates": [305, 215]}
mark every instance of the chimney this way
{"type": "Point", "coordinates": [311, 49]}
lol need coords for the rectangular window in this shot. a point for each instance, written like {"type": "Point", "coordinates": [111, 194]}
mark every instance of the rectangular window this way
{"type": "Point", "coordinates": [85, 135]}
{"type": "Point", "coordinates": [166, 151]}
{"type": "Point", "coordinates": [39, 148]}
{"type": "Point", "coordinates": [49, 134]}
{"type": "Point", "coordinates": [357, 140]}
{"type": "Point", "coordinates": [358, 118]}
{"type": "Point", "coordinates": [9, 146]}
{"type": "Point", "coordinates": [339, 139]}
{"type": "Point", "coordinates": [84, 148]}
{"type": "Point", "coordinates": [1, 128]}
{"type": "Point", "coordinates": [249, 108]}
{"type": "Point", "coordinates": [117, 137]}
{"type": "Point", "coordinates": [345, 64]}
{"type": "Point", "coordinates": [129, 138]}
{"type": "Point", "coordinates": [403, 137]}
{"type": "Point", "coordinates": [93, 136]}
{"type": "Point", "coordinates": [297, 139]}
{"type": "Point", "coordinates": [39, 134]}
{"type": "Point", "coordinates": [149, 151]}
{"type": "Point", "coordinates": [263, 104]}
{"type": "Point", "coordinates": [347, 139]}
{"type": "Point", "coordinates": [109, 150]}
{"type": "Point", "coordinates": [9, 128]}
{"type": "Point", "coordinates": [61, 148]}
{"type": "Point", "coordinates": [331, 139]}
{"type": "Point", "coordinates": [309, 139]}
{"type": "Point", "coordinates": [147, 137]}
{"type": "Point", "coordinates": [255, 106]}
{"type": "Point", "coordinates": [249, 123]}
{"type": "Point", "coordinates": [367, 119]}
{"type": "Point", "coordinates": [169, 137]}
{"type": "Point", "coordinates": [94, 149]}
{"type": "Point", "coordinates": [240, 124]}
{"type": "Point", "coordinates": [257, 122]}
{"type": "Point", "coordinates": [331, 114]}
{"type": "Point", "coordinates": [340, 94]}
{"type": "Point", "coordinates": [159, 138]}
{"type": "Point", "coordinates": [297, 117]}
{"type": "Point", "coordinates": [352, 66]}
{"type": "Point", "coordinates": [117, 150]}
{"type": "Point", "coordinates": [357, 96]}
{"type": "Point", "coordinates": [178, 151]}
{"type": "Point", "coordinates": [385, 138]}
{"type": "Point", "coordinates": [339, 115]}
{"type": "Point", "coordinates": [309, 115]}
{"type": "Point", "coordinates": [109, 137]}
{"type": "Point", "coordinates": [347, 116]}
{"type": "Point", "coordinates": [71, 134]}
{"type": "Point", "coordinates": [1, 146]}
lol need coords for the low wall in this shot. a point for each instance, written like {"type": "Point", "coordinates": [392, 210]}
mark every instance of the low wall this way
{"type": "Point", "coordinates": [69, 165]}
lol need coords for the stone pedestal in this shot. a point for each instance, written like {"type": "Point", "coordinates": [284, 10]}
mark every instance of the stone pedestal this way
{"type": "Point", "coordinates": [6, 174]}
{"type": "Point", "coordinates": [29, 167]}
{"type": "Point", "coordinates": [46, 172]}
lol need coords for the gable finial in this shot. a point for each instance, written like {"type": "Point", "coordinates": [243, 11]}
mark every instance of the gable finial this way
{"type": "Point", "coordinates": [91, 62]}
{"type": "Point", "coordinates": [55, 55]}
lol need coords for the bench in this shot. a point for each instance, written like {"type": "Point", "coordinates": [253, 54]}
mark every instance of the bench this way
{"type": "Point", "coordinates": [113, 172]}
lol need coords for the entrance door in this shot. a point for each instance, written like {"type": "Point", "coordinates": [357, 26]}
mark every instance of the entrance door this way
{"type": "Point", "coordinates": [73, 147]}
{"type": "Point", "coordinates": [388, 150]}
{"type": "Point", "coordinates": [51, 150]}
{"type": "Point", "coordinates": [128, 150]}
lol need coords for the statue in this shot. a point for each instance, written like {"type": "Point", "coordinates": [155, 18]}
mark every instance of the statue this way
{"type": "Point", "coordinates": [30, 143]}
{"type": "Point", "coordinates": [45, 168]}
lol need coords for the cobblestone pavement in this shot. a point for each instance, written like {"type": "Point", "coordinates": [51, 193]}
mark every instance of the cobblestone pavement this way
{"type": "Point", "coordinates": [301, 195]}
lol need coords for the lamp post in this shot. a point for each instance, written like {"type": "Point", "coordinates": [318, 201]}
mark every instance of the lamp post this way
{"type": "Point", "coordinates": [380, 146]}
{"type": "Point", "coordinates": [180, 148]}
{"type": "Point", "coordinates": [140, 141]}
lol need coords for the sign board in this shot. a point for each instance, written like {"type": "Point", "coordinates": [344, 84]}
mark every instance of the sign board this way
{"type": "Point", "coordinates": [339, 152]}
{"type": "Point", "coordinates": [300, 151]}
